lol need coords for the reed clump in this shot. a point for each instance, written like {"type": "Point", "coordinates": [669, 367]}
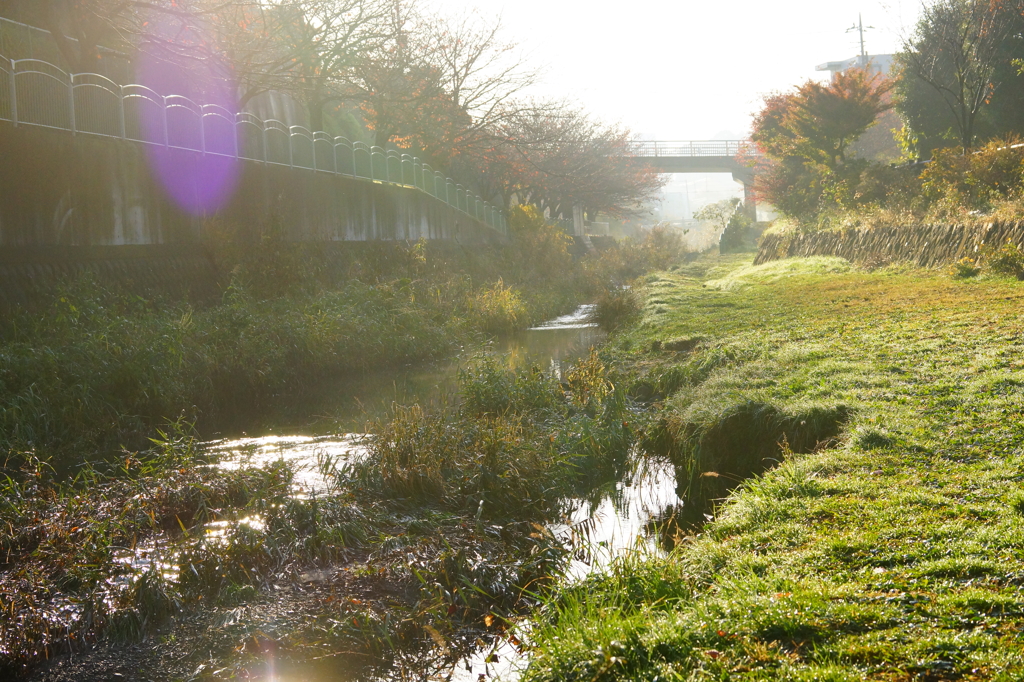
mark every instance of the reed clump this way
{"type": "Point", "coordinates": [616, 308]}
{"type": "Point", "coordinates": [517, 445]}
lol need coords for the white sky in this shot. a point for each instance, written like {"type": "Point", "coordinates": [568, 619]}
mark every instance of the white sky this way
{"type": "Point", "coordinates": [687, 70]}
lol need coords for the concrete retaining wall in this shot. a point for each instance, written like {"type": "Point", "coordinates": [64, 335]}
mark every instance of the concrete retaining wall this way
{"type": "Point", "coordinates": [64, 190]}
{"type": "Point", "coordinates": [927, 246]}
{"type": "Point", "coordinates": [71, 204]}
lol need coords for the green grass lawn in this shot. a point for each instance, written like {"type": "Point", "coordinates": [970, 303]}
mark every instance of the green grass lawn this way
{"type": "Point", "coordinates": [884, 538]}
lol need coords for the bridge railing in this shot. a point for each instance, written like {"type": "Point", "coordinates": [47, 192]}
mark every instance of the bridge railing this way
{"type": "Point", "coordinates": [37, 93]}
{"type": "Point", "coordinates": [729, 148]}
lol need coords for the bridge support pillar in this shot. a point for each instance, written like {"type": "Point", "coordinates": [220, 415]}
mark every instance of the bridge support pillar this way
{"type": "Point", "coordinates": [578, 224]}
{"type": "Point", "coordinates": [749, 201]}
{"type": "Point", "coordinates": [745, 176]}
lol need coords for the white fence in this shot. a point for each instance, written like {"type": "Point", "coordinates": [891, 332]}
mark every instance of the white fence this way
{"type": "Point", "coordinates": [37, 93]}
{"type": "Point", "coordinates": [727, 148]}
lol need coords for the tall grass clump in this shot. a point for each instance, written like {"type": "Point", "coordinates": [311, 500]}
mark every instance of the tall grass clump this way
{"type": "Point", "coordinates": [517, 445]}
{"type": "Point", "coordinates": [615, 308]}
{"type": "Point", "coordinates": [498, 309]}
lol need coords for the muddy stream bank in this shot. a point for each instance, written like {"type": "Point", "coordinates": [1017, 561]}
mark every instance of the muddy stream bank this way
{"type": "Point", "coordinates": [616, 518]}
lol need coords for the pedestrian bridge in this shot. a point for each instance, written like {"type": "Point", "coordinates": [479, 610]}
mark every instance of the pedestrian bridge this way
{"type": "Point", "coordinates": [736, 157]}
{"type": "Point", "coordinates": [701, 156]}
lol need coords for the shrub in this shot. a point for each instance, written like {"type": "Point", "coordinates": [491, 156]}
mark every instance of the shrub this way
{"type": "Point", "coordinates": [738, 234]}
{"type": "Point", "coordinates": [1007, 260]}
{"type": "Point", "coordinates": [965, 268]}
{"type": "Point", "coordinates": [659, 248]}
{"type": "Point", "coordinates": [974, 181]}
{"type": "Point", "coordinates": [892, 187]}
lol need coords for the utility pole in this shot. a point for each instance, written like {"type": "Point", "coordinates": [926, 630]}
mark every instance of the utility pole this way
{"type": "Point", "coordinates": [859, 27]}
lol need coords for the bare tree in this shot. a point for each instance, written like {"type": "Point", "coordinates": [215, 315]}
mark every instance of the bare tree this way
{"type": "Point", "coordinates": [395, 87]}
{"type": "Point", "coordinates": [556, 157]}
{"type": "Point", "coordinates": [480, 72]}
{"type": "Point", "coordinates": [444, 86]}
{"type": "Point", "coordinates": [320, 44]}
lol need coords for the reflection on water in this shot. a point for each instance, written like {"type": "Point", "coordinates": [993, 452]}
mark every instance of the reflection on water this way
{"type": "Point", "coordinates": [310, 457]}
{"type": "Point", "coordinates": [578, 319]}
{"type": "Point", "coordinates": [615, 520]}
{"type": "Point", "coordinates": [555, 344]}
{"type": "Point", "coordinates": [620, 519]}
{"type": "Point", "coordinates": [625, 518]}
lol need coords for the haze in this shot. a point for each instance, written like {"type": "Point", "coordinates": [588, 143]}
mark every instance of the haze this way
{"type": "Point", "coordinates": [686, 70]}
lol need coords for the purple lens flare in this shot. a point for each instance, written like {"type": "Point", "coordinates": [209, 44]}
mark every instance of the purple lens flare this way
{"type": "Point", "coordinates": [200, 105]}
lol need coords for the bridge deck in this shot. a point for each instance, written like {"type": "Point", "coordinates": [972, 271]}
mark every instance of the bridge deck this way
{"type": "Point", "coordinates": [700, 156]}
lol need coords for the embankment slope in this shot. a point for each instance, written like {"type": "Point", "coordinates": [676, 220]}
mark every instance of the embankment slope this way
{"type": "Point", "coordinates": [894, 551]}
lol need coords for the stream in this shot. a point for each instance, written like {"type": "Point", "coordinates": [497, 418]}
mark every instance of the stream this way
{"type": "Point", "coordinates": [617, 519]}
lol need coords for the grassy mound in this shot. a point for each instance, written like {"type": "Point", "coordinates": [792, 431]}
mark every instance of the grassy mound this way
{"type": "Point", "coordinates": [717, 444]}
{"type": "Point", "coordinates": [894, 551]}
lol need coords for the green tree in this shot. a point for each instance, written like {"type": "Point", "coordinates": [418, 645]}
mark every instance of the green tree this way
{"type": "Point", "coordinates": [718, 214]}
{"type": "Point", "coordinates": [957, 73]}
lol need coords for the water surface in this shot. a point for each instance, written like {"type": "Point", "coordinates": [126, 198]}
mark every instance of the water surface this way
{"type": "Point", "coordinates": [615, 520]}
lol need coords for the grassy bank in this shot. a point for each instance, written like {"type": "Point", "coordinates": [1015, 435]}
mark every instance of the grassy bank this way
{"type": "Point", "coordinates": [857, 437]}
{"type": "Point", "coordinates": [88, 370]}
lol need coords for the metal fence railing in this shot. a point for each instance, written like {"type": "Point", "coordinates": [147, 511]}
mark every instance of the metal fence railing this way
{"type": "Point", "coordinates": [21, 41]}
{"type": "Point", "coordinates": [729, 148]}
{"type": "Point", "coordinates": [37, 93]}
